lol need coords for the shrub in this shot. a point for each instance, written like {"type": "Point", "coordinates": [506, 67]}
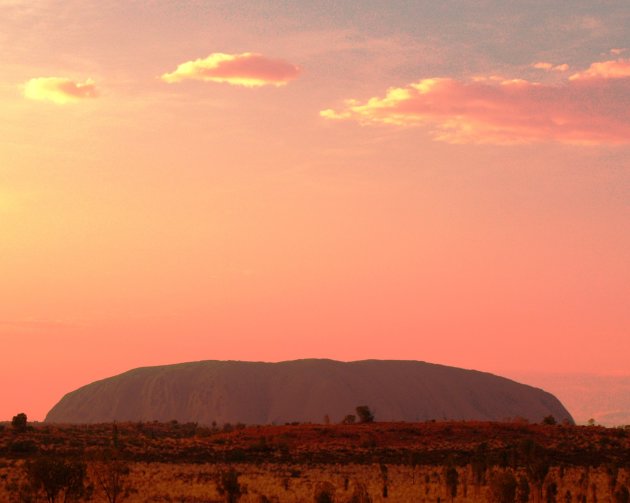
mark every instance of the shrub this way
{"type": "Point", "coordinates": [503, 487]}
{"type": "Point", "coordinates": [324, 493]}
{"type": "Point", "coordinates": [23, 447]}
{"type": "Point", "coordinates": [56, 476]}
{"type": "Point", "coordinates": [229, 486]}
{"type": "Point", "coordinates": [364, 414]}
{"type": "Point", "coordinates": [552, 493]}
{"type": "Point", "coordinates": [452, 478]}
{"type": "Point", "coordinates": [360, 494]}
{"type": "Point", "coordinates": [19, 422]}
{"type": "Point", "coordinates": [112, 475]}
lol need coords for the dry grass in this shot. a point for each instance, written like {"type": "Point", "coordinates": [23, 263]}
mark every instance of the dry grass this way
{"type": "Point", "coordinates": [389, 462]}
{"type": "Point", "coordinates": [295, 483]}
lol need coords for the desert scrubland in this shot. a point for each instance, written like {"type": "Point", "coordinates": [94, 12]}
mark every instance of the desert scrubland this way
{"type": "Point", "coordinates": [389, 462]}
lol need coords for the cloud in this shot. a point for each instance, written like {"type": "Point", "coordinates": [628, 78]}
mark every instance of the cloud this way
{"type": "Point", "coordinates": [59, 90]}
{"type": "Point", "coordinates": [561, 68]}
{"type": "Point", "coordinates": [616, 69]}
{"type": "Point", "coordinates": [542, 65]}
{"type": "Point", "coordinates": [548, 67]}
{"type": "Point", "coordinates": [591, 107]}
{"type": "Point", "coordinates": [246, 69]}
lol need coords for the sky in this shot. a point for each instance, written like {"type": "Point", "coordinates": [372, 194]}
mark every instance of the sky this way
{"type": "Point", "coordinates": [438, 181]}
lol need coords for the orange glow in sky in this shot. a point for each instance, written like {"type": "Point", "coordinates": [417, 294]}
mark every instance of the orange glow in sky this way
{"type": "Point", "coordinates": [386, 180]}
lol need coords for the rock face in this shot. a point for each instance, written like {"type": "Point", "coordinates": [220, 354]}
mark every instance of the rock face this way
{"type": "Point", "coordinates": [304, 391]}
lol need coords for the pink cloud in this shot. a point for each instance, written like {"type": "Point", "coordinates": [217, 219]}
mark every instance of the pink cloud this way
{"type": "Point", "coordinates": [615, 69]}
{"type": "Point", "coordinates": [548, 67]}
{"type": "Point", "coordinates": [59, 90]}
{"type": "Point", "coordinates": [592, 107]}
{"type": "Point", "coordinates": [246, 69]}
{"type": "Point", "coordinates": [542, 65]}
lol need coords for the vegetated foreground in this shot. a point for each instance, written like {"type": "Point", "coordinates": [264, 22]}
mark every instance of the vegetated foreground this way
{"type": "Point", "coordinates": [398, 462]}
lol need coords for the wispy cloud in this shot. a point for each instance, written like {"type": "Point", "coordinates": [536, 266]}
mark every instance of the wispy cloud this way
{"type": "Point", "coordinates": [245, 69]}
{"type": "Point", "coordinates": [590, 107]}
{"type": "Point", "coordinates": [59, 90]}
{"type": "Point", "coordinates": [548, 67]}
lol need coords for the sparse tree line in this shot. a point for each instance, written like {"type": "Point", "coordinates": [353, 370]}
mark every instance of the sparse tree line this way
{"type": "Point", "coordinates": [521, 472]}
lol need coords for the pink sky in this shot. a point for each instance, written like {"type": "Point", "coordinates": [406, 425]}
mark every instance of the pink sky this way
{"type": "Point", "coordinates": [180, 182]}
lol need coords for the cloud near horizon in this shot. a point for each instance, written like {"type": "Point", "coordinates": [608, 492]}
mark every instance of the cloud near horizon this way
{"type": "Point", "coordinates": [59, 90]}
{"type": "Point", "coordinates": [590, 107]}
{"type": "Point", "coordinates": [246, 69]}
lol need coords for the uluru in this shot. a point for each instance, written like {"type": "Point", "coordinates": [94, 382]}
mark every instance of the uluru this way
{"type": "Point", "coordinates": [304, 391]}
